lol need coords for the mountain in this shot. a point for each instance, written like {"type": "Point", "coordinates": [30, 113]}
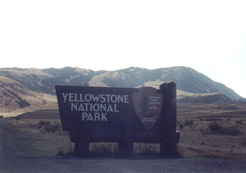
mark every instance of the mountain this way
{"type": "Point", "coordinates": [187, 79]}
{"type": "Point", "coordinates": [20, 90]}
{"type": "Point", "coordinates": [23, 88]}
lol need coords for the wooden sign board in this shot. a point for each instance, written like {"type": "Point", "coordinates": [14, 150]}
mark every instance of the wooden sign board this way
{"type": "Point", "coordinates": [106, 114]}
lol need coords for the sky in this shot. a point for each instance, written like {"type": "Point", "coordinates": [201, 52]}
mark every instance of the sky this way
{"type": "Point", "coordinates": [206, 35]}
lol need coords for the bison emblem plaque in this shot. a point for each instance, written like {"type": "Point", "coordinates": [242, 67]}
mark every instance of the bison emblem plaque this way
{"type": "Point", "coordinates": [147, 103]}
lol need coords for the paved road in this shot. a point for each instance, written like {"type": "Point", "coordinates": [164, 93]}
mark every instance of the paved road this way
{"type": "Point", "coordinates": [117, 164]}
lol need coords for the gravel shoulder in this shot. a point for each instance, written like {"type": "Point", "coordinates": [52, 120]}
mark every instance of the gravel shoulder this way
{"type": "Point", "coordinates": [112, 164]}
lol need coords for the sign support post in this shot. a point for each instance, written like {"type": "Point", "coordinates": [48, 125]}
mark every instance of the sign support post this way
{"type": "Point", "coordinates": [168, 145]}
{"type": "Point", "coordinates": [126, 144]}
{"type": "Point", "coordinates": [84, 142]}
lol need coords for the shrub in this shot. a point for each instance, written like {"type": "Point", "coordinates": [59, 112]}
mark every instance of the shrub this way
{"type": "Point", "coordinates": [240, 122]}
{"type": "Point", "coordinates": [43, 124]}
{"type": "Point", "coordinates": [188, 122]}
{"type": "Point", "coordinates": [23, 103]}
{"type": "Point", "coordinates": [232, 130]}
{"type": "Point", "coordinates": [181, 126]}
{"type": "Point", "coordinates": [146, 148]}
{"type": "Point", "coordinates": [17, 118]}
{"type": "Point", "coordinates": [48, 126]}
{"type": "Point", "coordinates": [216, 128]}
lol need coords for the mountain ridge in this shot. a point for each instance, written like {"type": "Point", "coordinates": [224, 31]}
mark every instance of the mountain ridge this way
{"type": "Point", "coordinates": [20, 85]}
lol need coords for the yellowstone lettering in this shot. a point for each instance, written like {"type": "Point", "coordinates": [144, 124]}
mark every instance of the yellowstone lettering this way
{"type": "Point", "coordinates": [102, 98]}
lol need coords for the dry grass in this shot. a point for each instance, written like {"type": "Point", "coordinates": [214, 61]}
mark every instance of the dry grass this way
{"type": "Point", "coordinates": [29, 136]}
{"type": "Point", "coordinates": [26, 137]}
{"type": "Point", "coordinates": [207, 131]}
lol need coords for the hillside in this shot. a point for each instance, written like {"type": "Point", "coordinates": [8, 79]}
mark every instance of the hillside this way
{"type": "Point", "coordinates": [20, 91]}
{"type": "Point", "coordinates": [23, 88]}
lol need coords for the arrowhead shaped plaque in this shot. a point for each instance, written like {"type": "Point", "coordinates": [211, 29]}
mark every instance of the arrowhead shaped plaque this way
{"type": "Point", "coordinates": [148, 106]}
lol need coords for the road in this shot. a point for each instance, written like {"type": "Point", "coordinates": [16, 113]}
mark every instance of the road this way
{"type": "Point", "coordinates": [118, 164]}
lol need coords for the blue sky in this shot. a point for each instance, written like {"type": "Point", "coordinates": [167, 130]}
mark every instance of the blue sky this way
{"type": "Point", "coordinates": [209, 36]}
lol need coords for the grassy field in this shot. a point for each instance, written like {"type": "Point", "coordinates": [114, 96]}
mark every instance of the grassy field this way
{"type": "Point", "coordinates": [216, 131]}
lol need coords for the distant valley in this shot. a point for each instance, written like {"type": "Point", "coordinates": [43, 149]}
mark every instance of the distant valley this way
{"type": "Point", "coordinates": [24, 89]}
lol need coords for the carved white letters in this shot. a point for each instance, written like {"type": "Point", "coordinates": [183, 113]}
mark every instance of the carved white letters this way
{"type": "Point", "coordinates": [95, 107]}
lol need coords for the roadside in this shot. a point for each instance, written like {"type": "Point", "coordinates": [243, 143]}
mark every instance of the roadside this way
{"type": "Point", "coordinates": [28, 147]}
{"type": "Point", "coordinates": [27, 139]}
{"type": "Point", "coordinates": [212, 131]}
{"type": "Point", "coordinates": [1, 141]}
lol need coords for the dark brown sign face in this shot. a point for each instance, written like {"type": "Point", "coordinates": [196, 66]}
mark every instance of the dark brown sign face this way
{"type": "Point", "coordinates": [148, 106]}
{"type": "Point", "coordinates": [105, 109]}
{"type": "Point", "coordinates": [124, 115]}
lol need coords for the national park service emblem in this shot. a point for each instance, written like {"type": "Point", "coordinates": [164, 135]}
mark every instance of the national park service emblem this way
{"type": "Point", "coordinates": [148, 105]}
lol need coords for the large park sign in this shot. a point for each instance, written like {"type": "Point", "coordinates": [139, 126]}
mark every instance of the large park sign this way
{"type": "Point", "coordinates": [123, 115]}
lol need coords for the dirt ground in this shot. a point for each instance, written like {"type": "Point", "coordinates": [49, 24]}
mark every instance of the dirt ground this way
{"type": "Point", "coordinates": [211, 131]}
